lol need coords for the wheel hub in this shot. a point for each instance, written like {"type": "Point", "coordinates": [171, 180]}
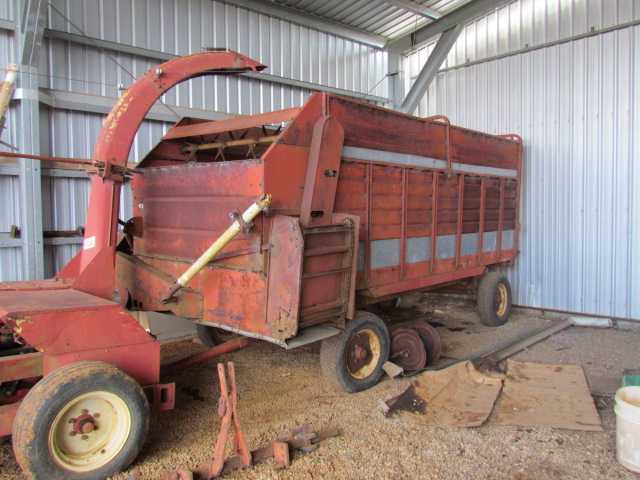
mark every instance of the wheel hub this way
{"type": "Point", "coordinates": [100, 425]}
{"type": "Point", "coordinates": [362, 353]}
{"type": "Point", "coordinates": [359, 352]}
{"type": "Point", "coordinates": [407, 349]}
{"type": "Point", "coordinates": [85, 423]}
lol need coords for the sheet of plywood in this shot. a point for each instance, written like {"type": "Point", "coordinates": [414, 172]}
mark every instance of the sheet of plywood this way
{"type": "Point", "coordinates": [458, 396]}
{"type": "Point", "coordinates": [536, 394]}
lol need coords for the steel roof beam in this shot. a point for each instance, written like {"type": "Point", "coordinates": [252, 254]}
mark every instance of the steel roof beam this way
{"type": "Point", "coordinates": [416, 8]}
{"type": "Point", "coordinates": [430, 69]}
{"type": "Point", "coordinates": [460, 16]}
{"type": "Point", "coordinates": [164, 56]}
{"type": "Point", "coordinates": [312, 21]}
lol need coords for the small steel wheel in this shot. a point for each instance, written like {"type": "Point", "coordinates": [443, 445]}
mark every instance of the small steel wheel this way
{"type": "Point", "coordinates": [430, 338]}
{"type": "Point", "coordinates": [407, 349]}
{"type": "Point", "coordinates": [83, 421]}
{"type": "Point", "coordinates": [494, 299]}
{"type": "Point", "coordinates": [353, 360]}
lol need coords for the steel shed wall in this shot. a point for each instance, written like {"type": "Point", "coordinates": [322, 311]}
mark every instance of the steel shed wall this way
{"type": "Point", "coordinates": [577, 105]}
{"type": "Point", "coordinates": [175, 27]}
{"type": "Point", "coordinates": [11, 267]}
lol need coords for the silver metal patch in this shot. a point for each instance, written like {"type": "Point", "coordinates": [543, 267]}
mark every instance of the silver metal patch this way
{"type": "Point", "coordinates": [418, 249]}
{"type": "Point", "coordinates": [385, 253]}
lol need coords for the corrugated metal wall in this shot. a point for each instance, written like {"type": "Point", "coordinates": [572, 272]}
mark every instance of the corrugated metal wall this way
{"type": "Point", "coordinates": [577, 106]}
{"type": "Point", "coordinates": [11, 267]}
{"type": "Point", "coordinates": [176, 27]}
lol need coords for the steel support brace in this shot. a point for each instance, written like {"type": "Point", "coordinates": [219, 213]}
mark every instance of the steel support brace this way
{"type": "Point", "coordinates": [430, 69]}
{"type": "Point", "coordinates": [459, 16]}
{"type": "Point", "coordinates": [416, 8]}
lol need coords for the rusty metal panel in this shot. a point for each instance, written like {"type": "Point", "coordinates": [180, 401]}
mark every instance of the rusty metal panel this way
{"type": "Point", "coordinates": [323, 170]}
{"type": "Point", "coordinates": [141, 285]}
{"type": "Point", "coordinates": [18, 367]}
{"type": "Point", "coordinates": [185, 208]}
{"type": "Point", "coordinates": [237, 300]}
{"type": "Point", "coordinates": [285, 276]}
{"type": "Point", "coordinates": [328, 270]}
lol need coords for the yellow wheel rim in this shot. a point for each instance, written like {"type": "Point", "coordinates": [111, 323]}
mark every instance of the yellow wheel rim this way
{"type": "Point", "coordinates": [363, 353]}
{"type": "Point", "coordinates": [502, 299]}
{"type": "Point", "coordinates": [89, 431]}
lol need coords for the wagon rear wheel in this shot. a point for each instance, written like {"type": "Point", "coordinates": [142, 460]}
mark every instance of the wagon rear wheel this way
{"type": "Point", "coordinates": [353, 360]}
{"type": "Point", "coordinates": [85, 420]}
{"type": "Point", "coordinates": [494, 299]}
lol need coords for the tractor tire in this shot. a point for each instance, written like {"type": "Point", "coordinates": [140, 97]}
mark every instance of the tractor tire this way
{"type": "Point", "coordinates": [83, 421]}
{"type": "Point", "coordinates": [494, 299]}
{"type": "Point", "coordinates": [353, 360]}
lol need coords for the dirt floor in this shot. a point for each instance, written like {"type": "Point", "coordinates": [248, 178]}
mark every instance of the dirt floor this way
{"type": "Point", "coordinates": [280, 390]}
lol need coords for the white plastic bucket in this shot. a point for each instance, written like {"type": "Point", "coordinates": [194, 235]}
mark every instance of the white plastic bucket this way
{"type": "Point", "coordinates": [627, 410]}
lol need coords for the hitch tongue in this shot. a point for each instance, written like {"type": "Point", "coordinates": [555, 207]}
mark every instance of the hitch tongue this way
{"type": "Point", "coordinates": [239, 222]}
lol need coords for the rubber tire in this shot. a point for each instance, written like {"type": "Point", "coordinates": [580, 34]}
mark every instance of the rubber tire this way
{"type": "Point", "coordinates": [332, 354]}
{"type": "Point", "coordinates": [207, 335]}
{"type": "Point", "coordinates": [43, 402]}
{"type": "Point", "coordinates": [486, 299]}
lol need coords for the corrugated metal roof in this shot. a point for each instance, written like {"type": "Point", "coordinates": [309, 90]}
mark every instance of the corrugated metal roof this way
{"type": "Point", "coordinates": [377, 16]}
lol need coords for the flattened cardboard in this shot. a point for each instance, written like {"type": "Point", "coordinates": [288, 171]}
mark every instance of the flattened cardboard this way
{"type": "Point", "coordinates": [540, 395]}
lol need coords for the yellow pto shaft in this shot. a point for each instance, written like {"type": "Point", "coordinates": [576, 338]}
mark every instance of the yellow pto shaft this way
{"type": "Point", "coordinates": [249, 214]}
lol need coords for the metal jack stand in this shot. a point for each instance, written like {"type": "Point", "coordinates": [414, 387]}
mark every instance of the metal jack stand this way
{"type": "Point", "coordinates": [303, 439]}
{"type": "Point", "coordinates": [227, 409]}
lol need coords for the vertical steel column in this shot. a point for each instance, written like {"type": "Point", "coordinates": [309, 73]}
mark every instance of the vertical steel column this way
{"type": "Point", "coordinates": [29, 42]}
{"type": "Point", "coordinates": [396, 77]}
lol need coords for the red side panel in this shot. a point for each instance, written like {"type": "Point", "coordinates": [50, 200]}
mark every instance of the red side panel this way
{"type": "Point", "coordinates": [237, 300]}
{"type": "Point", "coordinates": [185, 208]}
{"type": "Point", "coordinates": [285, 276]}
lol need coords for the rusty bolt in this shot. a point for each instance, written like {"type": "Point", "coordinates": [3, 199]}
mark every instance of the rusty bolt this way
{"type": "Point", "coordinates": [103, 451]}
{"type": "Point", "coordinates": [72, 433]}
{"type": "Point", "coordinates": [87, 427]}
{"type": "Point", "coordinates": [84, 437]}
